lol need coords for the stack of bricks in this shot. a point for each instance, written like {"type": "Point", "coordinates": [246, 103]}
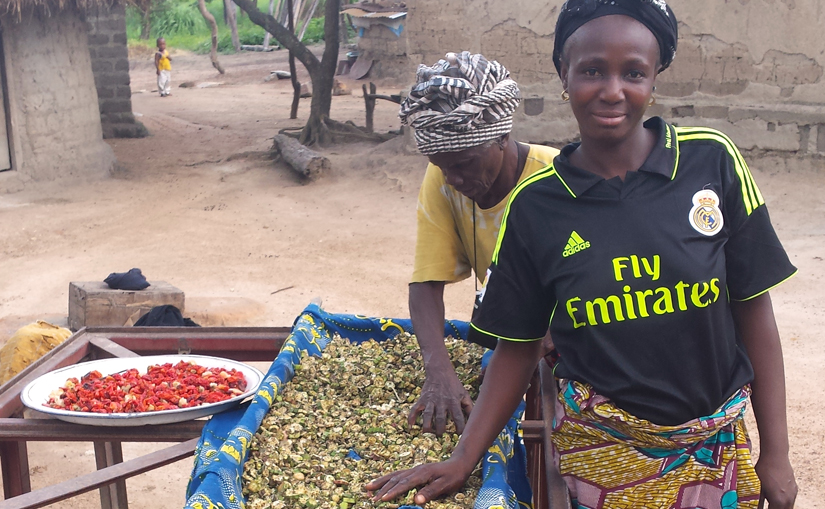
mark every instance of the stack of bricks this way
{"type": "Point", "coordinates": [110, 65]}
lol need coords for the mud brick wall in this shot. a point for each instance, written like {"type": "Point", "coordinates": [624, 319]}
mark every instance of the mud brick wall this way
{"type": "Point", "coordinates": [53, 114]}
{"type": "Point", "coordinates": [110, 65]}
{"type": "Point", "coordinates": [388, 50]}
{"type": "Point", "coordinates": [752, 68]}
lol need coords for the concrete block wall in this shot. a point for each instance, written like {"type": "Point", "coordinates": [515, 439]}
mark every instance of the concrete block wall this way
{"type": "Point", "coordinates": [752, 68]}
{"type": "Point", "coordinates": [53, 113]}
{"type": "Point", "coordinates": [110, 65]}
{"type": "Point", "coordinates": [387, 49]}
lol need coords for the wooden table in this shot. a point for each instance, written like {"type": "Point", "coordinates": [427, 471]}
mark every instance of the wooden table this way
{"type": "Point", "coordinates": [238, 343]}
{"type": "Point", "coordinates": [242, 344]}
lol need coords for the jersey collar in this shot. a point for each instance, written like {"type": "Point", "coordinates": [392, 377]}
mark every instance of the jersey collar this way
{"type": "Point", "coordinates": [663, 159]}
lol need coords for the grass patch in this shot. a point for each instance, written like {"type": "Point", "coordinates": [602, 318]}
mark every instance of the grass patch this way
{"type": "Point", "coordinates": [183, 27]}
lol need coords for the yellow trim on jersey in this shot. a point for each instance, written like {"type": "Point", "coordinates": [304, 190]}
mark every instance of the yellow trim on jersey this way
{"type": "Point", "coordinates": [565, 185]}
{"type": "Point", "coordinates": [767, 289]}
{"type": "Point", "coordinates": [676, 147]}
{"type": "Point", "coordinates": [546, 172]}
{"type": "Point", "coordinates": [502, 337]}
{"type": "Point", "coordinates": [552, 314]}
{"type": "Point", "coordinates": [751, 195]}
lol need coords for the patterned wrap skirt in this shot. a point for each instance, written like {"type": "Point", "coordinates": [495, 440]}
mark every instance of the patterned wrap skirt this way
{"type": "Point", "coordinates": [611, 459]}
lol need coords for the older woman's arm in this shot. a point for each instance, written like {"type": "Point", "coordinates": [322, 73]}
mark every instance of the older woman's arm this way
{"type": "Point", "coordinates": [505, 383]}
{"type": "Point", "coordinates": [757, 326]}
{"type": "Point", "coordinates": [442, 394]}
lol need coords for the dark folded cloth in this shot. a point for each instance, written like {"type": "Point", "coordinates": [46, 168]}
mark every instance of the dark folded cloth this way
{"type": "Point", "coordinates": [164, 316]}
{"type": "Point", "coordinates": [132, 280]}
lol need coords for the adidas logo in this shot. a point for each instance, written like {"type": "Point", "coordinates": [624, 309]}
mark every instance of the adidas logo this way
{"type": "Point", "coordinates": [575, 244]}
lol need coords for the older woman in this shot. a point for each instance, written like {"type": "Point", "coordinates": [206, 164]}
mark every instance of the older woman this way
{"type": "Point", "coordinates": [462, 112]}
{"type": "Point", "coordinates": [658, 301]}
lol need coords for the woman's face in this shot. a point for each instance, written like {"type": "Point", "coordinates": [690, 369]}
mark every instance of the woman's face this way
{"type": "Point", "coordinates": [609, 66]}
{"type": "Point", "coordinates": [472, 171]}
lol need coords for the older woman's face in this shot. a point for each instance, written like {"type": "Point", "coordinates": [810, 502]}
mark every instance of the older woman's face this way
{"type": "Point", "coordinates": [473, 171]}
{"type": "Point", "coordinates": [609, 68]}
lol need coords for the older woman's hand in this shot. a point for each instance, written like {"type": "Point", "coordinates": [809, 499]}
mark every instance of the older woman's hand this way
{"type": "Point", "coordinates": [437, 479]}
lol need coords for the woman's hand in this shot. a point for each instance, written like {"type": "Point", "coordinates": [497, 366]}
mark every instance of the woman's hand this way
{"type": "Point", "coordinates": [437, 479]}
{"type": "Point", "coordinates": [442, 396]}
{"type": "Point", "coordinates": [778, 484]}
{"type": "Point", "coordinates": [757, 326]}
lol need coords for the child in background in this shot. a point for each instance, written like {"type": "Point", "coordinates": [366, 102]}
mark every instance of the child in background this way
{"type": "Point", "coordinates": [163, 64]}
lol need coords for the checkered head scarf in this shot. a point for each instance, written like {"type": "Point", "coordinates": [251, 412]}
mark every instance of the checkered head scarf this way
{"type": "Point", "coordinates": [462, 101]}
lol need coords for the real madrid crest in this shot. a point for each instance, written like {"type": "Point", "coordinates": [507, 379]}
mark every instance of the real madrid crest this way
{"type": "Point", "coordinates": [706, 216]}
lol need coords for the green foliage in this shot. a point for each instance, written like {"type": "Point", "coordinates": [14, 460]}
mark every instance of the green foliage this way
{"type": "Point", "coordinates": [181, 24]}
{"type": "Point", "coordinates": [247, 35]}
{"type": "Point", "coordinates": [132, 22]}
{"type": "Point", "coordinates": [315, 31]}
{"type": "Point", "coordinates": [174, 17]}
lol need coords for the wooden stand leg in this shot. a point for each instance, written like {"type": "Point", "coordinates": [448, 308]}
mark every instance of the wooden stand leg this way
{"type": "Point", "coordinates": [555, 488]}
{"type": "Point", "coordinates": [534, 450]}
{"type": "Point", "coordinates": [369, 103]}
{"type": "Point", "coordinates": [112, 496]}
{"type": "Point", "coordinates": [14, 461]}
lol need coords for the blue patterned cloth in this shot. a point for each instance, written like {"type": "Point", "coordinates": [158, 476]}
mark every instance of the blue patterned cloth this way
{"type": "Point", "coordinates": [215, 482]}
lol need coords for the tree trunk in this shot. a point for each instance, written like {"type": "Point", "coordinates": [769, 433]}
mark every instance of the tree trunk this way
{"type": "Point", "coordinates": [210, 20]}
{"type": "Point", "coordinates": [231, 16]}
{"type": "Point", "coordinates": [322, 74]}
{"type": "Point", "coordinates": [267, 35]}
{"type": "Point", "coordinates": [296, 86]}
{"type": "Point", "coordinates": [281, 34]}
{"type": "Point", "coordinates": [342, 30]}
{"type": "Point", "coordinates": [322, 81]}
{"type": "Point", "coordinates": [308, 19]}
{"type": "Point", "coordinates": [146, 22]}
{"type": "Point", "coordinates": [296, 13]}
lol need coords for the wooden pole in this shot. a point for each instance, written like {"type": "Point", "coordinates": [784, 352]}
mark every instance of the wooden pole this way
{"type": "Point", "coordinates": [230, 14]}
{"type": "Point", "coordinates": [267, 35]}
{"type": "Point", "coordinates": [296, 14]}
{"type": "Point", "coordinates": [369, 103]}
{"type": "Point", "coordinates": [308, 19]}
{"type": "Point", "coordinates": [296, 86]}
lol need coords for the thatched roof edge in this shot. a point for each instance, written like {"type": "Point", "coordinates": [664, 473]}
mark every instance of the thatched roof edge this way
{"type": "Point", "coordinates": [16, 8]}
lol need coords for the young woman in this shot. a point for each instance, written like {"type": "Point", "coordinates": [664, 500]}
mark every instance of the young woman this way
{"type": "Point", "coordinates": [649, 250]}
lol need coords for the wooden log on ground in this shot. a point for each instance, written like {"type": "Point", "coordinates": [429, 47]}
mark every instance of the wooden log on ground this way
{"type": "Point", "coordinates": [306, 162]}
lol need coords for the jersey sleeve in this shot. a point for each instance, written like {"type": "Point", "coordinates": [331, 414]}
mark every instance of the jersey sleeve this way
{"type": "Point", "coordinates": [756, 262]}
{"type": "Point", "coordinates": [439, 252]}
{"type": "Point", "coordinates": [514, 305]}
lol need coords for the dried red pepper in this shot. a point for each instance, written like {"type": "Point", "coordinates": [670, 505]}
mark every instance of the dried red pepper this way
{"type": "Point", "coordinates": [163, 387]}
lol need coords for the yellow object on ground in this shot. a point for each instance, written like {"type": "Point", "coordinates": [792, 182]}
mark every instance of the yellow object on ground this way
{"type": "Point", "coordinates": [27, 345]}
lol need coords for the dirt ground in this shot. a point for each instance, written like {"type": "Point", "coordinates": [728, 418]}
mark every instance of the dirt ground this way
{"type": "Point", "coordinates": [200, 205]}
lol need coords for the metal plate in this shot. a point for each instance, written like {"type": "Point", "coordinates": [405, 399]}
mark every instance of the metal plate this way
{"type": "Point", "coordinates": [360, 68]}
{"type": "Point", "coordinates": [36, 394]}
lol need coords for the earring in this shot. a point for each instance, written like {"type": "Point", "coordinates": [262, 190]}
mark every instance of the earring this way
{"type": "Point", "coordinates": [565, 96]}
{"type": "Point", "coordinates": [652, 100]}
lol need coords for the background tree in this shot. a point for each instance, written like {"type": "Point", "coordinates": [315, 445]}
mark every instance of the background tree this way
{"type": "Point", "coordinates": [210, 20]}
{"type": "Point", "coordinates": [321, 72]}
{"type": "Point", "coordinates": [293, 74]}
{"type": "Point", "coordinates": [144, 7]}
{"type": "Point", "coordinates": [230, 17]}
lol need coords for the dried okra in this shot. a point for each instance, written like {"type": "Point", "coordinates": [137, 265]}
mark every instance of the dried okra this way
{"type": "Point", "coordinates": [351, 401]}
